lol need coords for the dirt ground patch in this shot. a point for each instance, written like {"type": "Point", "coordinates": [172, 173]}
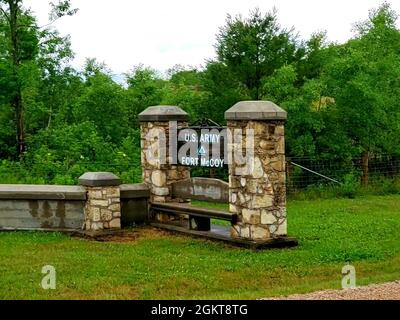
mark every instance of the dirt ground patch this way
{"type": "Point", "coordinates": [384, 291]}
{"type": "Point", "coordinates": [125, 235]}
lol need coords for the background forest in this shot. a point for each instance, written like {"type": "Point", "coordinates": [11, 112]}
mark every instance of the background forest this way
{"type": "Point", "coordinates": [57, 122]}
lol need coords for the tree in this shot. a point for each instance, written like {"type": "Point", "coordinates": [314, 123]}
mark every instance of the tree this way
{"type": "Point", "coordinates": [58, 81]}
{"type": "Point", "coordinates": [103, 103]}
{"type": "Point", "coordinates": [23, 39]}
{"type": "Point", "coordinates": [306, 122]}
{"type": "Point", "coordinates": [145, 89]}
{"type": "Point", "coordinates": [17, 54]}
{"type": "Point", "coordinates": [363, 79]}
{"type": "Point", "coordinates": [253, 48]}
{"type": "Point", "coordinates": [223, 88]}
{"type": "Point", "coordinates": [185, 89]}
{"type": "Point", "coordinates": [316, 55]}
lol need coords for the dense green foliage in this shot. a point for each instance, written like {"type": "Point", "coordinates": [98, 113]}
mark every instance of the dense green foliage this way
{"type": "Point", "coordinates": [57, 122]}
{"type": "Point", "coordinates": [149, 264]}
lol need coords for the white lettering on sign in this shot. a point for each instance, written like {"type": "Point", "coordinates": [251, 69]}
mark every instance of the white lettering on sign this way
{"type": "Point", "coordinates": [204, 138]}
{"type": "Point", "coordinates": [204, 147]}
{"type": "Point", "coordinates": [209, 138]}
{"type": "Point", "coordinates": [190, 137]}
{"type": "Point", "coordinates": [213, 163]}
{"type": "Point", "coordinates": [190, 161]}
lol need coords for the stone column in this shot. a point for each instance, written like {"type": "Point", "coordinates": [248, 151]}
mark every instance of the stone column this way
{"type": "Point", "coordinates": [103, 205]}
{"type": "Point", "coordinates": [159, 169]}
{"type": "Point", "coordinates": [258, 195]}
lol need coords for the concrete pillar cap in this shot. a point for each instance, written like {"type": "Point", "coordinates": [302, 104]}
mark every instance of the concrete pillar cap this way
{"type": "Point", "coordinates": [163, 113]}
{"type": "Point", "coordinates": [99, 179]}
{"type": "Point", "coordinates": [255, 110]}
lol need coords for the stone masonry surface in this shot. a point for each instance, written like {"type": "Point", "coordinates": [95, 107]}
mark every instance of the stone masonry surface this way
{"type": "Point", "coordinates": [259, 197]}
{"type": "Point", "coordinates": [103, 208]}
{"type": "Point", "coordinates": [159, 176]}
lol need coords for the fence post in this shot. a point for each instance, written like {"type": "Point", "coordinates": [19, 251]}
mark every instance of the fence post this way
{"type": "Point", "coordinates": [257, 194]}
{"type": "Point", "coordinates": [158, 127]}
{"type": "Point", "coordinates": [103, 203]}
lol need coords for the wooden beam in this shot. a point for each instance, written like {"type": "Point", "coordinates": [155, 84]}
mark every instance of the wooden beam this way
{"type": "Point", "coordinates": [174, 208]}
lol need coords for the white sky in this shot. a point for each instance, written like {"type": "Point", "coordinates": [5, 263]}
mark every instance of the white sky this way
{"type": "Point", "coordinates": [163, 33]}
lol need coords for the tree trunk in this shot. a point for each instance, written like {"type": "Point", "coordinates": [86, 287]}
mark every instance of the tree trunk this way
{"type": "Point", "coordinates": [365, 168]}
{"type": "Point", "coordinates": [16, 100]}
{"type": "Point", "coordinates": [20, 119]}
{"type": "Point", "coordinates": [213, 173]}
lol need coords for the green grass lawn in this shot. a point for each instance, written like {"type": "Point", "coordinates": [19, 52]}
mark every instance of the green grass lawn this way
{"type": "Point", "coordinates": [157, 265]}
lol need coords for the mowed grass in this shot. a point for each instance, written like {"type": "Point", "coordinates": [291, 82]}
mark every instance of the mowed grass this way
{"type": "Point", "coordinates": [364, 232]}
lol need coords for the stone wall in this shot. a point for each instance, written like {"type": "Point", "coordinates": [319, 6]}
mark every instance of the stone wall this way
{"type": "Point", "coordinates": [73, 208]}
{"type": "Point", "coordinates": [160, 169]}
{"type": "Point", "coordinates": [39, 207]}
{"type": "Point", "coordinates": [258, 196]}
{"type": "Point", "coordinates": [159, 175]}
{"type": "Point", "coordinates": [103, 208]}
{"type": "Point", "coordinates": [103, 204]}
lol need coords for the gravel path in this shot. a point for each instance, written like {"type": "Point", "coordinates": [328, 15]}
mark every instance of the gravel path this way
{"type": "Point", "coordinates": [384, 291]}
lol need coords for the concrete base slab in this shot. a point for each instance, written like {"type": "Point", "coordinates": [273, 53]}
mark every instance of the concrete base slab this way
{"type": "Point", "coordinates": [222, 233]}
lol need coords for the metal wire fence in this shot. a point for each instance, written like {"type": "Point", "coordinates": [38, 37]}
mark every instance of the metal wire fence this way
{"type": "Point", "coordinates": [302, 173]}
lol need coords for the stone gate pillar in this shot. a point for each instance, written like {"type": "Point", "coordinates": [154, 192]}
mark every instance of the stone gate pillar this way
{"type": "Point", "coordinates": [157, 126]}
{"type": "Point", "coordinates": [257, 186]}
{"type": "Point", "coordinates": [103, 204]}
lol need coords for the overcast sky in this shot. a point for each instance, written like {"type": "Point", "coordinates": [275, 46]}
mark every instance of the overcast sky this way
{"type": "Point", "coordinates": [163, 33]}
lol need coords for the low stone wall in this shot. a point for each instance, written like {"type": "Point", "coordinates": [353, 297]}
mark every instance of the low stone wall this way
{"type": "Point", "coordinates": [38, 207]}
{"type": "Point", "coordinates": [45, 207]}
